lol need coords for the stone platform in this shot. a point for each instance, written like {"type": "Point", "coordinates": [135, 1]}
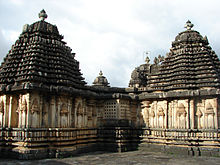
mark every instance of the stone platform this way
{"type": "Point", "coordinates": [126, 158]}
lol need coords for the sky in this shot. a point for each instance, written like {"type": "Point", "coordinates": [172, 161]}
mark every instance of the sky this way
{"type": "Point", "coordinates": [113, 35]}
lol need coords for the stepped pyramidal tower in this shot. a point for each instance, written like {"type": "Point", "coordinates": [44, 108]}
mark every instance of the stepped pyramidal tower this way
{"type": "Point", "coordinates": [40, 59]}
{"type": "Point", "coordinates": [48, 110]}
{"type": "Point", "coordinates": [190, 64]}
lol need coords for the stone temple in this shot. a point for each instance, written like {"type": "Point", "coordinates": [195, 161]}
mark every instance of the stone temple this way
{"type": "Point", "coordinates": [47, 110]}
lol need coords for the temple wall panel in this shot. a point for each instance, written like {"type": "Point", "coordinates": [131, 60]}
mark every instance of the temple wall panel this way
{"type": "Point", "coordinates": [206, 116]}
{"type": "Point", "coordinates": [23, 111]}
{"type": "Point", "coordinates": [48, 113]}
{"type": "Point", "coordinates": [13, 113]}
{"type": "Point", "coordinates": [80, 109]}
{"type": "Point", "coordinates": [155, 113]}
{"type": "Point", "coordinates": [194, 113]}
{"type": "Point", "coordinates": [136, 115]}
{"type": "Point", "coordinates": [35, 110]}
{"type": "Point", "coordinates": [100, 110]}
{"type": "Point", "coordinates": [64, 111]}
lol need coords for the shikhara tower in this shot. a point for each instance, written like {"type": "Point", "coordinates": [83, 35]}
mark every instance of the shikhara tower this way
{"type": "Point", "coordinates": [47, 110]}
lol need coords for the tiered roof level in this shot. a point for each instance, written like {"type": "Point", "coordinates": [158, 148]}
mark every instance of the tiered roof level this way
{"type": "Point", "coordinates": [190, 64]}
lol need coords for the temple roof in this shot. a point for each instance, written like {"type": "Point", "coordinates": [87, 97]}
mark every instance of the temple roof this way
{"type": "Point", "coordinates": [40, 58]}
{"type": "Point", "coordinates": [139, 76]}
{"type": "Point", "coordinates": [101, 80]}
{"type": "Point", "coordinates": [190, 64]}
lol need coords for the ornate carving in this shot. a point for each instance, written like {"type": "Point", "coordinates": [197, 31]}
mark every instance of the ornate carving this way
{"type": "Point", "coordinates": [64, 110]}
{"type": "Point", "coordinates": [147, 60]}
{"type": "Point", "coordinates": [199, 113]}
{"type": "Point", "coordinates": [181, 110]}
{"type": "Point", "coordinates": [79, 110]}
{"type": "Point", "coordinates": [160, 112]}
{"type": "Point", "coordinates": [42, 15]}
{"type": "Point", "coordinates": [152, 113]}
{"type": "Point", "coordinates": [188, 25]}
{"type": "Point", "coordinates": [35, 106]}
{"type": "Point", "coordinates": [22, 107]}
{"type": "Point", "coordinates": [209, 109]}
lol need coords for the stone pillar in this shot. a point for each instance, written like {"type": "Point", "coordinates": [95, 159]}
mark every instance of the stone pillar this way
{"type": "Point", "coordinates": [188, 114]}
{"type": "Point", "coordinates": [156, 116]}
{"type": "Point", "coordinates": [118, 112]}
{"type": "Point", "coordinates": [145, 112]}
{"type": "Point", "coordinates": [1, 112]}
{"type": "Point", "coordinates": [5, 114]}
{"type": "Point", "coordinates": [58, 114]}
{"type": "Point", "coordinates": [192, 114]}
{"type": "Point", "coordinates": [215, 100]}
{"type": "Point", "coordinates": [40, 111]}
{"type": "Point", "coordinates": [94, 113]}
{"type": "Point", "coordinates": [89, 113]}
{"type": "Point", "coordinates": [10, 111]}
{"type": "Point", "coordinates": [28, 121]}
{"type": "Point", "coordinates": [73, 112]}
{"type": "Point", "coordinates": [69, 107]}
{"type": "Point", "coordinates": [166, 113]}
{"type": "Point", "coordinates": [100, 112]}
{"type": "Point", "coordinates": [53, 112]}
{"type": "Point", "coordinates": [175, 120]}
{"type": "Point", "coordinates": [135, 110]}
{"type": "Point", "coordinates": [19, 112]}
{"type": "Point", "coordinates": [85, 116]}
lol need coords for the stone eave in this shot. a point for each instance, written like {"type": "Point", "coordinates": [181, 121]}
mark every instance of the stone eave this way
{"type": "Point", "coordinates": [178, 94]}
{"type": "Point", "coordinates": [84, 91]}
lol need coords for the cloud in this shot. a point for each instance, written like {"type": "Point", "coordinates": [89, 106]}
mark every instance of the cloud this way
{"type": "Point", "coordinates": [112, 36]}
{"type": "Point", "coordinates": [4, 46]}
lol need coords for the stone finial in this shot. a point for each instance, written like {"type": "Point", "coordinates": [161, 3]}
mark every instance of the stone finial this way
{"type": "Point", "coordinates": [42, 15]}
{"type": "Point", "coordinates": [160, 58]}
{"type": "Point", "coordinates": [188, 25]}
{"type": "Point", "coordinates": [147, 60]}
{"type": "Point", "coordinates": [156, 61]}
{"type": "Point", "coordinates": [100, 73]}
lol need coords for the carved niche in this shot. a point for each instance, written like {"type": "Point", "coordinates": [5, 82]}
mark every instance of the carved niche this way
{"type": "Point", "coordinates": [181, 110]}
{"type": "Point", "coordinates": [64, 110]}
{"type": "Point", "coordinates": [209, 109]}
{"type": "Point", "coordinates": [209, 115]}
{"type": "Point", "coordinates": [181, 116]}
{"type": "Point", "coordinates": [22, 107]}
{"type": "Point", "coordinates": [79, 110]}
{"type": "Point", "coordinates": [35, 106]}
{"type": "Point", "coordinates": [199, 115]}
{"type": "Point", "coordinates": [160, 114]}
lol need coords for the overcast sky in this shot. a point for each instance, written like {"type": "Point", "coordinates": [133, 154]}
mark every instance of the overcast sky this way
{"type": "Point", "coordinates": [112, 35]}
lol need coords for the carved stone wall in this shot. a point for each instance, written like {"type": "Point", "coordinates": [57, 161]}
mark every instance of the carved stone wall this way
{"type": "Point", "coordinates": [37, 110]}
{"type": "Point", "coordinates": [196, 113]}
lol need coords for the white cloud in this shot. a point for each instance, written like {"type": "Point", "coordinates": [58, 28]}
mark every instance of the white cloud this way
{"type": "Point", "coordinates": [10, 35]}
{"type": "Point", "coordinates": [16, 2]}
{"type": "Point", "coordinates": [4, 46]}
